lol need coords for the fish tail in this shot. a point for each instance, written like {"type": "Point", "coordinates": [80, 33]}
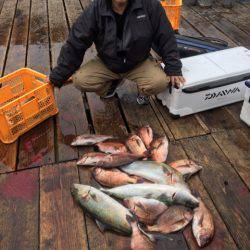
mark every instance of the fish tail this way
{"type": "Point", "coordinates": [151, 237]}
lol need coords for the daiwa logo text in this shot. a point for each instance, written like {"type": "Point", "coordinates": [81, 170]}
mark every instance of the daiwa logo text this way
{"type": "Point", "coordinates": [221, 93]}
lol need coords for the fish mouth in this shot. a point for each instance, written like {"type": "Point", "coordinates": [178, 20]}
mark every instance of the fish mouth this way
{"type": "Point", "coordinates": [204, 239]}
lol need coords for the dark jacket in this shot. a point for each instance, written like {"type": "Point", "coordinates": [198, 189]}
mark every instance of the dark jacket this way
{"type": "Point", "coordinates": [146, 23]}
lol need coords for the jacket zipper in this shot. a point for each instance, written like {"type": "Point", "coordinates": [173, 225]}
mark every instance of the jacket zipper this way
{"type": "Point", "coordinates": [124, 28]}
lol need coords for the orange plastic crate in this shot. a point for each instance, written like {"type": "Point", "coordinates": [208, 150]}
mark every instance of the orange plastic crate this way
{"type": "Point", "coordinates": [25, 101]}
{"type": "Point", "coordinates": [173, 11]}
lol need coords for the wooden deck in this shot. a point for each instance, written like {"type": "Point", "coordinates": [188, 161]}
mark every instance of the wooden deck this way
{"type": "Point", "coordinates": [36, 207]}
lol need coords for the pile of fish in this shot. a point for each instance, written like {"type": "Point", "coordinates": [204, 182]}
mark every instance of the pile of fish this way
{"type": "Point", "coordinates": [153, 197]}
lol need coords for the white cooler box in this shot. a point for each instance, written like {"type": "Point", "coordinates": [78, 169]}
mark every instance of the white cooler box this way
{"type": "Point", "coordinates": [212, 80]}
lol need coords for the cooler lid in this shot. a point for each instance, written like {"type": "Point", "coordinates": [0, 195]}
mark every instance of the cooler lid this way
{"type": "Point", "coordinates": [213, 67]}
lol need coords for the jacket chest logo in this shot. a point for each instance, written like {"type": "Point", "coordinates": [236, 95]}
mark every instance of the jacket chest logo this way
{"type": "Point", "coordinates": [141, 16]}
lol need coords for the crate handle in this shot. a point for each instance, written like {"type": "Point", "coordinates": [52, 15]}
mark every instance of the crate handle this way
{"type": "Point", "coordinates": [41, 79]}
{"type": "Point", "coordinates": [27, 100]}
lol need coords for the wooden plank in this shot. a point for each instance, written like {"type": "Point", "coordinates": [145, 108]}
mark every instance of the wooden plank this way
{"type": "Point", "coordinates": [72, 119]}
{"type": "Point", "coordinates": [222, 238]}
{"type": "Point", "coordinates": [36, 147]}
{"type": "Point", "coordinates": [62, 223]}
{"type": "Point", "coordinates": [228, 192]}
{"type": "Point", "coordinates": [18, 43]}
{"type": "Point", "coordinates": [137, 115]}
{"type": "Point", "coordinates": [38, 57]}
{"type": "Point", "coordinates": [188, 30]}
{"type": "Point", "coordinates": [7, 18]}
{"type": "Point", "coordinates": [1, 5]}
{"type": "Point", "coordinates": [160, 117]}
{"type": "Point", "coordinates": [84, 3]}
{"type": "Point", "coordinates": [238, 15]}
{"type": "Point", "coordinates": [8, 152]}
{"type": "Point", "coordinates": [219, 119]}
{"type": "Point", "coordinates": [183, 127]}
{"type": "Point", "coordinates": [235, 146]}
{"type": "Point", "coordinates": [106, 116]}
{"type": "Point", "coordinates": [19, 199]}
{"type": "Point", "coordinates": [235, 110]}
{"type": "Point", "coordinates": [8, 155]}
{"type": "Point", "coordinates": [73, 9]}
{"type": "Point", "coordinates": [229, 29]}
{"type": "Point", "coordinates": [204, 26]}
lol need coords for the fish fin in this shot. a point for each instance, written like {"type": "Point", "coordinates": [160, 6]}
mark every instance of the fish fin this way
{"type": "Point", "coordinates": [133, 219]}
{"type": "Point", "coordinates": [101, 226]}
{"type": "Point", "coordinates": [151, 237]}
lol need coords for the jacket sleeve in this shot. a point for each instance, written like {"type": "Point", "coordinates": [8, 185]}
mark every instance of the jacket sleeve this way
{"type": "Point", "coordinates": [164, 40]}
{"type": "Point", "coordinates": [80, 39]}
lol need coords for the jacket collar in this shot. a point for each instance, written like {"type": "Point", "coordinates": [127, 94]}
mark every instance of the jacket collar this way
{"type": "Point", "coordinates": [105, 7]}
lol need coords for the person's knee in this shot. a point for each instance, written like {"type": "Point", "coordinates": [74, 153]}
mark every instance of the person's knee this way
{"type": "Point", "coordinates": [157, 85]}
{"type": "Point", "coordinates": [80, 79]}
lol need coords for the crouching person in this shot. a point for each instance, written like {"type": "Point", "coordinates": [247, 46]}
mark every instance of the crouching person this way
{"type": "Point", "coordinates": [123, 32]}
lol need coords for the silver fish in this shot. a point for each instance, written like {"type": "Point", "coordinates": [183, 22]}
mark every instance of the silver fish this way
{"type": "Point", "coordinates": [156, 172]}
{"type": "Point", "coordinates": [165, 193]}
{"type": "Point", "coordinates": [90, 139]}
{"type": "Point", "coordinates": [103, 208]}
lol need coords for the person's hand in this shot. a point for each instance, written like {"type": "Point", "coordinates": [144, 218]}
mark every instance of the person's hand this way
{"type": "Point", "coordinates": [177, 81]}
{"type": "Point", "coordinates": [48, 81]}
